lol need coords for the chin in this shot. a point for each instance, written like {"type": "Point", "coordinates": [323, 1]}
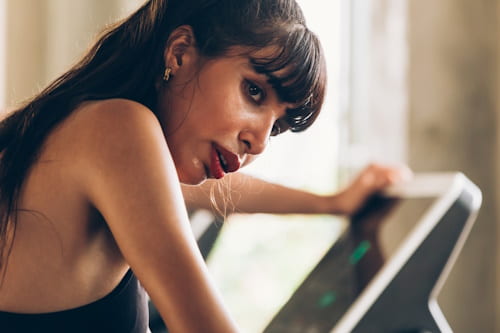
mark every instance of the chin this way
{"type": "Point", "coordinates": [192, 179]}
{"type": "Point", "coordinates": [190, 173]}
{"type": "Point", "coordinates": [193, 183]}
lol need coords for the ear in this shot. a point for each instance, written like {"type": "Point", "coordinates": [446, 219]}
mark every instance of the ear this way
{"type": "Point", "coordinates": [180, 49]}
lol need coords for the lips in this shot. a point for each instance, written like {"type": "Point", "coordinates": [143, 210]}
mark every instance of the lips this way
{"type": "Point", "coordinates": [222, 161]}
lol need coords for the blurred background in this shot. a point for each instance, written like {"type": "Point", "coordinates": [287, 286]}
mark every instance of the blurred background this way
{"type": "Point", "coordinates": [410, 81]}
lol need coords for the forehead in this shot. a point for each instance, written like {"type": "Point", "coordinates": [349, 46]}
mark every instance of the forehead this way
{"type": "Point", "coordinates": [241, 50]}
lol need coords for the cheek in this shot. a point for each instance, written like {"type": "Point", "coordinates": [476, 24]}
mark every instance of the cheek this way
{"type": "Point", "coordinates": [224, 114]}
{"type": "Point", "coordinates": [216, 110]}
{"type": "Point", "coordinates": [221, 99]}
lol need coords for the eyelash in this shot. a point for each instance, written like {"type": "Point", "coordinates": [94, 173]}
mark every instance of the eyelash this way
{"type": "Point", "coordinates": [277, 128]}
{"type": "Point", "coordinates": [254, 90]}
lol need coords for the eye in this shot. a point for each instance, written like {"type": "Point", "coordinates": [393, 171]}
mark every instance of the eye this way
{"type": "Point", "coordinates": [279, 127]}
{"type": "Point", "coordinates": [276, 130]}
{"type": "Point", "coordinates": [255, 92]}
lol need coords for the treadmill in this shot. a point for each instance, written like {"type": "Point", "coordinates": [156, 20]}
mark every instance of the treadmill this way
{"type": "Point", "coordinates": [385, 272]}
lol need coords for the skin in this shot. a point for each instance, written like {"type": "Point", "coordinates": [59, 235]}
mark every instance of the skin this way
{"type": "Point", "coordinates": [222, 101]}
{"type": "Point", "coordinates": [252, 195]}
{"type": "Point", "coordinates": [107, 193]}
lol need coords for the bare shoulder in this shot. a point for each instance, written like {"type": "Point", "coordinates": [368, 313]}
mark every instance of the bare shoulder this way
{"type": "Point", "coordinates": [110, 128]}
{"type": "Point", "coordinates": [112, 137]}
{"type": "Point", "coordinates": [127, 173]}
{"type": "Point", "coordinates": [116, 117]}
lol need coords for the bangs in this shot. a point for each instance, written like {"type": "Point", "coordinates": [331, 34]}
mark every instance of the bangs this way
{"type": "Point", "coordinates": [298, 74]}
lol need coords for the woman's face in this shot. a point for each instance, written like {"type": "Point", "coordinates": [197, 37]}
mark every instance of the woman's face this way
{"type": "Point", "coordinates": [217, 117]}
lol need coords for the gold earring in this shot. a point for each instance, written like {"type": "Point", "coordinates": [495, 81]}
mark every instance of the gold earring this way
{"type": "Point", "coordinates": [166, 74]}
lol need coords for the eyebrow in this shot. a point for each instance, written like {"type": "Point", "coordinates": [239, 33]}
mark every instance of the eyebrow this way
{"type": "Point", "coordinates": [273, 82]}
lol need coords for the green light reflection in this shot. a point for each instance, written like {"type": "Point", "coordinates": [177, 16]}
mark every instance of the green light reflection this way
{"type": "Point", "coordinates": [327, 299]}
{"type": "Point", "coordinates": [359, 252]}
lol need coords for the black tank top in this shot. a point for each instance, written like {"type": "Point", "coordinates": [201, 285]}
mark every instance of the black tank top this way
{"type": "Point", "coordinates": [124, 310]}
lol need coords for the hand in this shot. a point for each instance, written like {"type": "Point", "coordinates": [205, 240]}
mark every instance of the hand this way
{"type": "Point", "coordinates": [372, 179]}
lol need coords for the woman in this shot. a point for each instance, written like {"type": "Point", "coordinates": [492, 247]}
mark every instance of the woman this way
{"type": "Point", "coordinates": [91, 168]}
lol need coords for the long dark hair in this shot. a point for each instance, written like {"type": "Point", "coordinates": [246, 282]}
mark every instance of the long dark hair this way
{"type": "Point", "coordinates": [127, 62]}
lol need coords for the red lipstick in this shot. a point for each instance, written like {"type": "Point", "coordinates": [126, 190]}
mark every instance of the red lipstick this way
{"type": "Point", "coordinates": [222, 161]}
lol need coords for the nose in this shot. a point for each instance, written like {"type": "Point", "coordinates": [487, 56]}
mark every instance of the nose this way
{"type": "Point", "coordinates": [257, 136]}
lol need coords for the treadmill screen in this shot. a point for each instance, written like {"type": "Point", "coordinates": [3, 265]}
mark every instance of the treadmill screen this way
{"type": "Point", "coordinates": [347, 268]}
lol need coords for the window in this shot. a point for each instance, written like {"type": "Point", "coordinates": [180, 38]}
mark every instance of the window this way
{"type": "Point", "coordinates": [375, 114]}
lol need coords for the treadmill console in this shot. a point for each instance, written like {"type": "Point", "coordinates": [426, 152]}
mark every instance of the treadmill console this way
{"type": "Point", "coordinates": [384, 273]}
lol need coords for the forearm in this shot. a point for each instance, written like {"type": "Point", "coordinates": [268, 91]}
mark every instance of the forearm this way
{"type": "Point", "coordinates": [242, 193]}
{"type": "Point", "coordinates": [246, 194]}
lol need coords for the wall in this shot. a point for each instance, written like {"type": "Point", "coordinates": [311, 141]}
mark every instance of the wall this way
{"type": "Point", "coordinates": [3, 65]}
{"type": "Point", "coordinates": [497, 166]}
{"type": "Point", "coordinates": [453, 125]}
{"type": "Point", "coordinates": [38, 45]}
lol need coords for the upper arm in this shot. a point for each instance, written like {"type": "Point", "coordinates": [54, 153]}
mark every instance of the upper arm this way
{"type": "Point", "coordinates": [131, 179]}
